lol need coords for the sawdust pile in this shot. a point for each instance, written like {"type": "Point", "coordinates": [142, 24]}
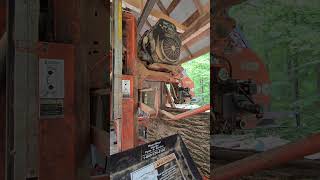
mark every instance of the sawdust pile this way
{"type": "Point", "coordinates": [195, 132]}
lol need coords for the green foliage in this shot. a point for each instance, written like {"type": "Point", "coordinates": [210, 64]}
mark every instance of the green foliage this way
{"type": "Point", "coordinates": [199, 71]}
{"type": "Point", "coordinates": [286, 35]}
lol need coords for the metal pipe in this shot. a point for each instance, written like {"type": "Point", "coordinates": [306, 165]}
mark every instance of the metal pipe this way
{"type": "Point", "coordinates": [187, 113]}
{"type": "Point", "coordinates": [268, 159]}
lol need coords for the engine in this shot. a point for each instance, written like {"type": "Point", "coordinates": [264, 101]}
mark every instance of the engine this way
{"type": "Point", "coordinates": [233, 100]}
{"type": "Point", "coordinates": [160, 44]}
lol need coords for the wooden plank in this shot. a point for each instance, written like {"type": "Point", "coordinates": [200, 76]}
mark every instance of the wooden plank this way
{"type": "Point", "coordinates": [172, 6]}
{"type": "Point", "coordinates": [196, 34]}
{"type": "Point", "coordinates": [197, 37]}
{"type": "Point", "coordinates": [145, 13]}
{"type": "Point", "coordinates": [191, 19]}
{"type": "Point", "coordinates": [201, 24]}
{"type": "Point", "coordinates": [198, 5]}
{"type": "Point", "coordinates": [162, 8]}
{"type": "Point", "coordinates": [25, 92]}
{"type": "Point", "coordinates": [117, 69]}
{"type": "Point", "coordinates": [197, 54]}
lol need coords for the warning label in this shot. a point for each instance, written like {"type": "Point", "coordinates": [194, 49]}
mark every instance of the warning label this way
{"type": "Point", "coordinates": [165, 168]}
{"type": "Point", "coordinates": [153, 149]}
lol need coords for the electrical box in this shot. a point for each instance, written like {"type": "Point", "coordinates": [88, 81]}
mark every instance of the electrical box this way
{"type": "Point", "coordinates": [51, 88]}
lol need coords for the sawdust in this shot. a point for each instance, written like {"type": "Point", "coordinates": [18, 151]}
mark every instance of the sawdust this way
{"type": "Point", "coordinates": [195, 132]}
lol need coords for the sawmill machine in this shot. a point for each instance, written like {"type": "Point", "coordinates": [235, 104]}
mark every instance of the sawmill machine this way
{"type": "Point", "coordinates": [240, 82]}
{"type": "Point", "coordinates": [152, 78]}
{"type": "Point", "coordinates": [152, 81]}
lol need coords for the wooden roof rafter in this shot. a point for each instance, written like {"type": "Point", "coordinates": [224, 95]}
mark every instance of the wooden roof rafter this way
{"type": "Point", "coordinates": [196, 54]}
{"type": "Point", "coordinates": [162, 8]}
{"type": "Point", "coordinates": [136, 6]}
{"type": "Point", "coordinates": [197, 27]}
{"type": "Point", "coordinates": [199, 6]}
{"type": "Point", "coordinates": [172, 6]}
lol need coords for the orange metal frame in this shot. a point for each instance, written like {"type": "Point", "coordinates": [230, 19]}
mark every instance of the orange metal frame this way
{"type": "Point", "coordinates": [57, 152]}
{"type": "Point", "coordinates": [129, 137]}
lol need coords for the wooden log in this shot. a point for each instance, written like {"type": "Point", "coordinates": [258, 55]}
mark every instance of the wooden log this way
{"type": "Point", "coordinates": [195, 132]}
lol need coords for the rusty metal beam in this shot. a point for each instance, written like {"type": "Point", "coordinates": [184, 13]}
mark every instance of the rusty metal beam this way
{"type": "Point", "coordinates": [268, 159]}
{"type": "Point", "coordinates": [145, 13]}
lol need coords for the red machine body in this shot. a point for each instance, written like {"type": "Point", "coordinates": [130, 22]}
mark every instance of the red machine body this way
{"type": "Point", "coordinates": [239, 69]}
{"type": "Point", "coordinates": [129, 137]}
{"type": "Point", "coordinates": [143, 88]}
{"type": "Point", "coordinates": [187, 82]}
{"type": "Point", "coordinates": [57, 138]}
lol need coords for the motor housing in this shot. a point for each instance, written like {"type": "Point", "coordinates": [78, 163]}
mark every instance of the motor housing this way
{"type": "Point", "coordinates": [160, 44]}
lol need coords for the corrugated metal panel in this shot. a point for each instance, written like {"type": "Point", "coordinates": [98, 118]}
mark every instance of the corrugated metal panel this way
{"type": "Point", "coordinates": [183, 11]}
{"type": "Point", "coordinates": [202, 43]}
{"type": "Point", "coordinates": [166, 3]}
{"type": "Point", "coordinates": [183, 54]}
